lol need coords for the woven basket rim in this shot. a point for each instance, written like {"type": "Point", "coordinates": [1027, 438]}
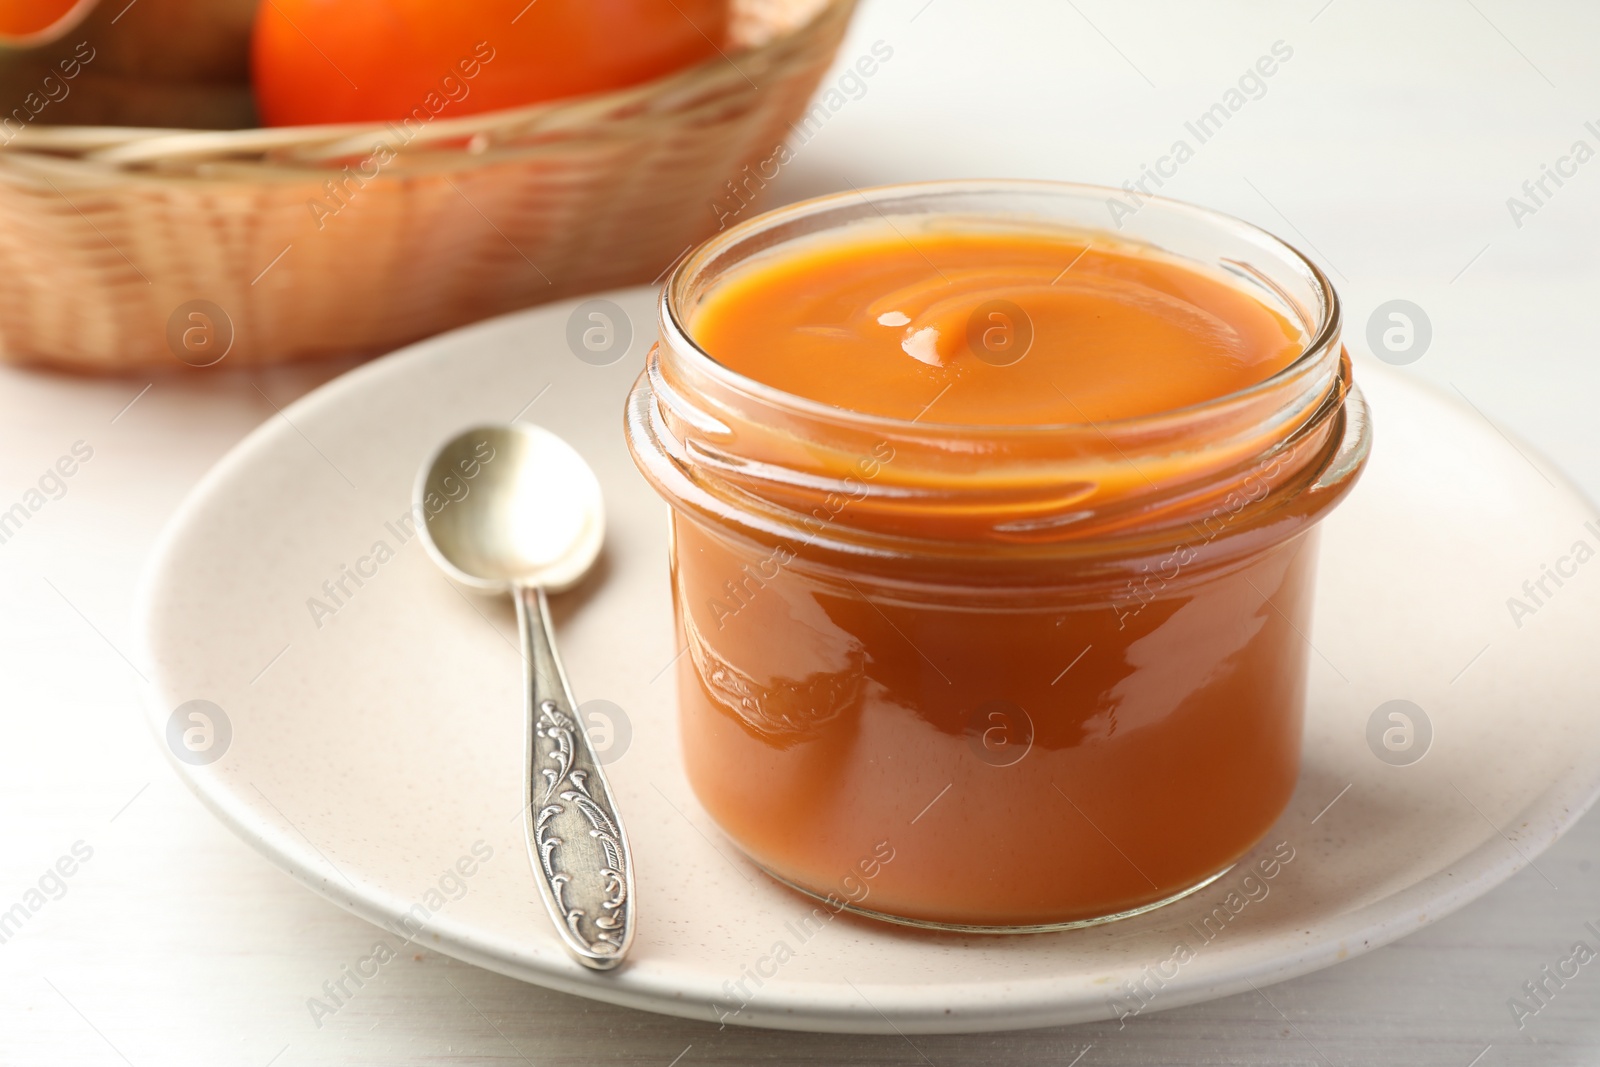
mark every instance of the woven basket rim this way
{"type": "Point", "coordinates": [127, 152]}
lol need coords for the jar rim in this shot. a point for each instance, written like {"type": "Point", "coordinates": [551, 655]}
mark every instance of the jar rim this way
{"type": "Point", "coordinates": [1323, 335]}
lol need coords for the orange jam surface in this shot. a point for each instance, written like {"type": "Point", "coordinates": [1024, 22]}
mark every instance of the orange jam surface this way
{"type": "Point", "coordinates": [880, 325]}
{"type": "Point", "coordinates": [1024, 757]}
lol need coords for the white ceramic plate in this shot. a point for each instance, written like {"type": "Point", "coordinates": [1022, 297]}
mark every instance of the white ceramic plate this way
{"type": "Point", "coordinates": [373, 749]}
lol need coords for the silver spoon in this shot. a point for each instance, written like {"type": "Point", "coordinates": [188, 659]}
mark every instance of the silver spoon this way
{"type": "Point", "coordinates": [516, 509]}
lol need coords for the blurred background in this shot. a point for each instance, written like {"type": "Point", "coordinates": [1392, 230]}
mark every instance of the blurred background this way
{"type": "Point", "coordinates": [1389, 146]}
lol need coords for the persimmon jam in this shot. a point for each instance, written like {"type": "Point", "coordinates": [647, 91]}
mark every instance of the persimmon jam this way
{"type": "Point", "coordinates": [880, 325]}
{"type": "Point", "coordinates": [993, 544]}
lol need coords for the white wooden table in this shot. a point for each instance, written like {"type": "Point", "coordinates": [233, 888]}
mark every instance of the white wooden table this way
{"type": "Point", "coordinates": [1387, 144]}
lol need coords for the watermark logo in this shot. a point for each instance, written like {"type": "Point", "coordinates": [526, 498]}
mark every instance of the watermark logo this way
{"type": "Point", "coordinates": [1538, 191]}
{"type": "Point", "coordinates": [341, 190]}
{"type": "Point", "coordinates": [999, 333]}
{"type": "Point", "coordinates": [52, 89]}
{"type": "Point", "coordinates": [51, 885]}
{"type": "Point", "coordinates": [743, 189]}
{"type": "Point", "coordinates": [199, 732]}
{"type": "Point", "coordinates": [599, 332]}
{"type": "Point", "coordinates": [1139, 991]}
{"type": "Point", "coordinates": [852, 891]}
{"type": "Point", "coordinates": [452, 884]}
{"type": "Point", "coordinates": [1249, 86]}
{"type": "Point", "coordinates": [609, 730]}
{"type": "Point", "coordinates": [199, 333]}
{"type": "Point", "coordinates": [1537, 592]}
{"type": "Point", "coordinates": [1399, 332]}
{"type": "Point", "coordinates": [456, 487]}
{"type": "Point", "coordinates": [1137, 595]}
{"type": "Point", "coordinates": [1399, 733]}
{"type": "Point", "coordinates": [741, 590]}
{"type": "Point", "coordinates": [1000, 733]}
{"type": "Point", "coordinates": [51, 485]}
{"type": "Point", "coordinates": [1552, 978]}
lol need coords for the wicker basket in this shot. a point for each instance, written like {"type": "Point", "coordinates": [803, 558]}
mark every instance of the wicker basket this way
{"type": "Point", "coordinates": [109, 235]}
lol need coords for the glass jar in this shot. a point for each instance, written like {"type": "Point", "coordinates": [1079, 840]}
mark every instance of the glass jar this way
{"type": "Point", "coordinates": [1084, 698]}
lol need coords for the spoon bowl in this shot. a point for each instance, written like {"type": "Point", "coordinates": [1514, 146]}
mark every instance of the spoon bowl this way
{"type": "Point", "coordinates": [510, 505]}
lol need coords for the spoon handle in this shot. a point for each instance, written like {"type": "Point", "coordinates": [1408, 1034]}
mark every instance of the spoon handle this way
{"type": "Point", "coordinates": [575, 837]}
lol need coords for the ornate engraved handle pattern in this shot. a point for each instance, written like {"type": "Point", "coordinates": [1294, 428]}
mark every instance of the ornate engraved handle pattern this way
{"type": "Point", "coordinates": [575, 836]}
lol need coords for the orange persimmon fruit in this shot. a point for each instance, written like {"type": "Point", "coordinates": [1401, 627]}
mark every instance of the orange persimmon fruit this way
{"type": "Point", "coordinates": [24, 18]}
{"type": "Point", "coordinates": [323, 61]}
